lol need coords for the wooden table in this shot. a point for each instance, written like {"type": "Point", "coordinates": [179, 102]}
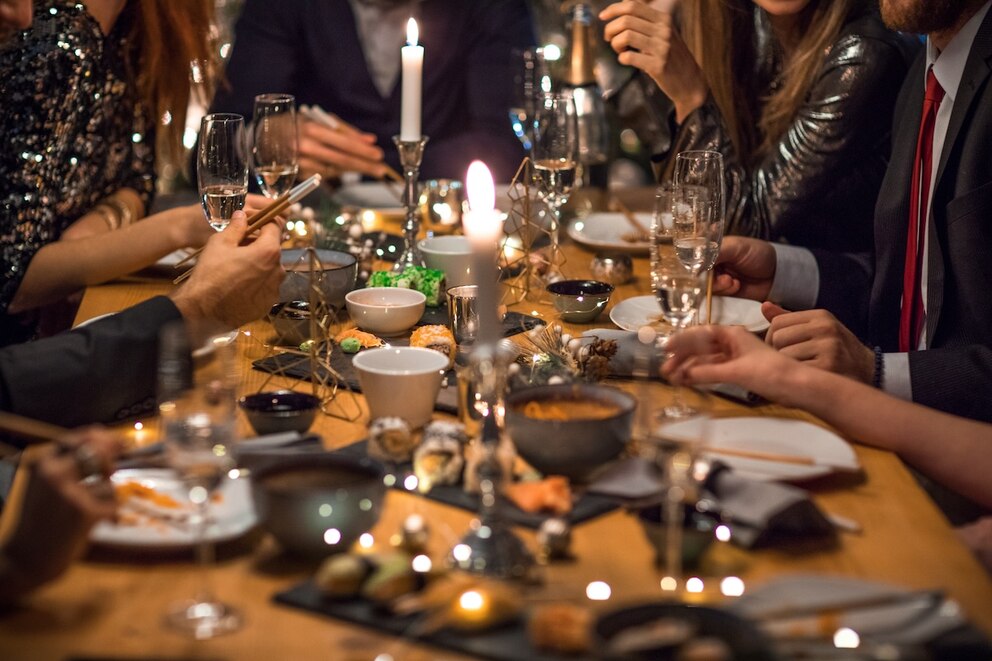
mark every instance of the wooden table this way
{"type": "Point", "coordinates": [112, 605]}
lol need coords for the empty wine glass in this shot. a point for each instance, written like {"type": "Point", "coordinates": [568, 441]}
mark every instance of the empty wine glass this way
{"type": "Point", "coordinates": [679, 291]}
{"type": "Point", "coordinates": [275, 149]}
{"type": "Point", "coordinates": [556, 147]}
{"type": "Point", "coordinates": [222, 167]}
{"type": "Point", "coordinates": [530, 82]}
{"type": "Point", "coordinates": [198, 426]}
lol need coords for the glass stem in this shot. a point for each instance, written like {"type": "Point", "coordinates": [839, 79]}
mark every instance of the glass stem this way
{"type": "Point", "coordinates": [204, 553]}
{"type": "Point", "coordinates": [674, 514]}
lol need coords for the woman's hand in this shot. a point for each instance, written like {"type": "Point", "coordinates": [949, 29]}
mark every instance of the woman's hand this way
{"type": "Point", "coordinates": [643, 35]}
{"type": "Point", "coordinates": [195, 231]}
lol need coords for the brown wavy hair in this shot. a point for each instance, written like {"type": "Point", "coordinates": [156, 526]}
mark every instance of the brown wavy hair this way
{"type": "Point", "coordinates": [721, 35]}
{"type": "Point", "coordinates": [173, 54]}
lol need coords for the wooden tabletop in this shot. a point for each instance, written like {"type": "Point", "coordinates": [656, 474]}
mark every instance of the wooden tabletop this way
{"type": "Point", "coordinates": [112, 605]}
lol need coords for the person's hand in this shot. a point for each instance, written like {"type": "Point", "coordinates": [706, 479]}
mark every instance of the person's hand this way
{"type": "Point", "coordinates": [977, 536]}
{"type": "Point", "coordinates": [642, 33]}
{"type": "Point", "coordinates": [329, 152]}
{"type": "Point", "coordinates": [817, 338]}
{"type": "Point", "coordinates": [59, 510]}
{"type": "Point", "coordinates": [232, 284]}
{"type": "Point", "coordinates": [731, 354]}
{"type": "Point", "coordinates": [194, 230]}
{"type": "Point", "coordinates": [744, 268]}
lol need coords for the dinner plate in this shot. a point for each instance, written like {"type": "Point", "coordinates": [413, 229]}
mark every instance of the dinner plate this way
{"type": "Point", "coordinates": [374, 195]}
{"type": "Point", "coordinates": [827, 451]}
{"type": "Point", "coordinates": [878, 611]}
{"type": "Point", "coordinates": [605, 231]}
{"type": "Point", "coordinates": [633, 313]}
{"type": "Point", "coordinates": [231, 514]}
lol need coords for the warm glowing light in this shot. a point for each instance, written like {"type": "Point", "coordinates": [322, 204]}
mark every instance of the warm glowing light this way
{"type": "Point", "coordinates": [669, 584]}
{"type": "Point", "coordinates": [332, 536]}
{"type": "Point", "coordinates": [732, 586]}
{"type": "Point", "coordinates": [845, 638]}
{"type": "Point", "coordinates": [723, 533]}
{"type": "Point", "coordinates": [471, 601]}
{"type": "Point", "coordinates": [552, 53]}
{"type": "Point", "coordinates": [422, 564]}
{"type": "Point", "coordinates": [198, 495]}
{"type": "Point", "coordinates": [412, 33]}
{"type": "Point", "coordinates": [461, 552]}
{"type": "Point", "coordinates": [325, 510]}
{"type": "Point", "coordinates": [138, 426]}
{"type": "Point", "coordinates": [598, 591]}
{"type": "Point", "coordinates": [234, 473]}
{"type": "Point", "coordinates": [410, 482]}
{"type": "Point", "coordinates": [694, 584]}
{"type": "Point", "coordinates": [389, 479]}
{"type": "Point", "coordinates": [480, 187]}
{"type": "Point", "coordinates": [366, 540]}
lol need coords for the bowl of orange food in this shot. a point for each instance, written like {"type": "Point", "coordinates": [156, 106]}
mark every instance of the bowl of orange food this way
{"type": "Point", "coordinates": [570, 429]}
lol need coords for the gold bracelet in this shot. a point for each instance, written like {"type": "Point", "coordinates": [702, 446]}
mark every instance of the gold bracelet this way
{"type": "Point", "coordinates": [123, 211]}
{"type": "Point", "coordinates": [109, 215]}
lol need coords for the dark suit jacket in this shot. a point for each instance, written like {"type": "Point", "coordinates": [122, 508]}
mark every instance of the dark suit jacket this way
{"type": "Point", "coordinates": [102, 372]}
{"type": "Point", "coordinates": [311, 48]}
{"type": "Point", "coordinates": [865, 291]}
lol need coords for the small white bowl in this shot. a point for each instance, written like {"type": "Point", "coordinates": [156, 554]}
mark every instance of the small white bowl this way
{"type": "Point", "coordinates": [401, 381]}
{"type": "Point", "coordinates": [451, 254]}
{"type": "Point", "coordinates": [385, 310]}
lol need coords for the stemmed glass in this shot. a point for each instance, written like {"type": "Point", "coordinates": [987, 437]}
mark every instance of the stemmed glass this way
{"type": "Point", "coordinates": [275, 145]}
{"type": "Point", "coordinates": [530, 81]}
{"type": "Point", "coordinates": [679, 291]}
{"type": "Point", "coordinates": [556, 146]}
{"type": "Point", "coordinates": [198, 426]}
{"type": "Point", "coordinates": [222, 167]}
{"type": "Point", "coordinates": [698, 212]}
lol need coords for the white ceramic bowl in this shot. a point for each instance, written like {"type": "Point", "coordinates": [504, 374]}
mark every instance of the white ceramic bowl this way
{"type": "Point", "coordinates": [401, 381]}
{"type": "Point", "coordinates": [385, 310]}
{"type": "Point", "coordinates": [451, 254]}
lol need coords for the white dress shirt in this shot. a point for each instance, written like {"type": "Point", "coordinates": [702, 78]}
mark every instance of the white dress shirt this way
{"type": "Point", "coordinates": [797, 277]}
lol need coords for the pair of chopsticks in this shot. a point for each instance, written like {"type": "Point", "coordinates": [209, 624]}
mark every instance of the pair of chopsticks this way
{"type": "Point", "coordinates": [335, 123]}
{"type": "Point", "coordinates": [263, 217]}
{"type": "Point", "coordinates": [631, 218]}
{"type": "Point", "coordinates": [762, 455]}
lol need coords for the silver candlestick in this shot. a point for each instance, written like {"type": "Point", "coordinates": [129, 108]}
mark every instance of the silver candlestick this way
{"type": "Point", "coordinates": [411, 152]}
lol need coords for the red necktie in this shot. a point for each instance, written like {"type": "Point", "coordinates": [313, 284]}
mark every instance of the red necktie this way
{"type": "Point", "coordinates": [911, 317]}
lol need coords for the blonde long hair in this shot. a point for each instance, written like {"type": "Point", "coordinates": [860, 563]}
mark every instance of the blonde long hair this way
{"type": "Point", "coordinates": [721, 35]}
{"type": "Point", "coordinates": [171, 38]}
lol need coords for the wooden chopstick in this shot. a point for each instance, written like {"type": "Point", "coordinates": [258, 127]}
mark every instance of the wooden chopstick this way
{"type": "Point", "coordinates": [793, 611]}
{"type": "Point", "coordinates": [631, 217]}
{"type": "Point", "coordinates": [335, 123]}
{"type": "Point", "coordinates": [762, 455]}
{"type": "Point", "coordinates": [251, 221]}
{"type": "Point", "coordinates": [29, 428]}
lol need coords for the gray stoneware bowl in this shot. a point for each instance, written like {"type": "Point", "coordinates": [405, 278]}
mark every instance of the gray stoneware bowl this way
{"type": "Point", "coordinates": [579, 301]}
{"type": "Point", "coordinates": [279, 411]}
{"type": "Point", "coordinates": [318, 504]}
{"type": "Point", "coordinates": [339, 270]}
{"type": "Point", "coordinates": [575, 447]}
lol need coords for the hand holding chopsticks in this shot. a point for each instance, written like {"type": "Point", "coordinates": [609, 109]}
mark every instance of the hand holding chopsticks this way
{"type": "Point", "coordinates": [265, 216]}
{"type": "Point", "coordinates": [328, 120]}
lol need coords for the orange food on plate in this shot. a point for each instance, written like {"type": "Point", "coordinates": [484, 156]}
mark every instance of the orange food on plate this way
{"type": "Point", "coordinates": [127, 490]}
{"type": "Point", "coordinates": [552, 494]}
{"type": "Point", "coordinates": [367, 340]}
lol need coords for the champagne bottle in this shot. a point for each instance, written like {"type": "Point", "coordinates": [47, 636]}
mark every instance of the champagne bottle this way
{"type": "Point", "coordinates": [580, 79]}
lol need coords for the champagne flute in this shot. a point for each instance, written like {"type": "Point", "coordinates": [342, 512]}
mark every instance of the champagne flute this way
{"type": "Point", "coordinates": [222, 167]}
{"type": "Point", "coordinates": [275, 143]}
{"type": "Point", "coordinates": [679, 291]}
{"type": "Point", "coordinates": [530, 81]}
{"type": "Point", "coordinates": [555, 158]}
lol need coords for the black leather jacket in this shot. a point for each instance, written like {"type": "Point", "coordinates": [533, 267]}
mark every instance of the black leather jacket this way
{"type": "Point", "coordinates": [817, 186]}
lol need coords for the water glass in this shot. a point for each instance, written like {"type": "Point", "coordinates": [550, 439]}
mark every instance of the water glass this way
{"type": "Point", "coordinates": [275, 144]}
{"type": "Point", "coordinates": [222, 167]}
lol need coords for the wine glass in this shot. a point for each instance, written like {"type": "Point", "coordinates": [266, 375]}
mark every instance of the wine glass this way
{"type": "Point", "coordinates": [222, 167]}
{"type": "Point", "coordinates": [698, 212]}
{"type": "Point", "coordinates": [530, 81]}
{"type": "Point", "coordinates": [679, 290]}
{"type": "Point", "coordinates": [556, 146]}
{"type": "Point", "coordinates": [275, 144]}
{"type": "Point", "coordinates": [198, 427]}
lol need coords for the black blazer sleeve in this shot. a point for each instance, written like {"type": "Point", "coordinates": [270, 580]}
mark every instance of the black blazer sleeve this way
{"type": "Point", "coordinates": [957, 380]}
{"type": "Point", "coordinates": [845, 287]}
{"type": "Point", "coordinates": [102, 372]}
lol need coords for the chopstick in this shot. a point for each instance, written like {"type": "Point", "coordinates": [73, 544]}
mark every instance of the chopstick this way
{"type": "Point", "coordinates": [631, 217]}
{"type": "Point", "coordinates": [29, 428]}
{"type": "Point", "coordinates": [772, 456]}
{"type": "Point", "coordinates": [265, 216]}
{"type": "Point", "coordinates": [792, 611]}
{"type": "Point", "coordinates": [335, 123]}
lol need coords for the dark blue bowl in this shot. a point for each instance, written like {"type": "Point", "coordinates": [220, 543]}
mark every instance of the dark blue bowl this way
{"type": "Point", "coordinates": [279, 411]}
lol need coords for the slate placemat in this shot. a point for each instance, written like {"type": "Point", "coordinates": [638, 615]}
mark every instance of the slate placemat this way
{"type": "Point", "coordinates": [506, 643]}
{"type": "Point", "coordinates": [588, 506]}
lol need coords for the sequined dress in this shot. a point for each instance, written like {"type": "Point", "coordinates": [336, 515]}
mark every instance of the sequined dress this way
{"type": "Point", "coordinates": [71, 132]}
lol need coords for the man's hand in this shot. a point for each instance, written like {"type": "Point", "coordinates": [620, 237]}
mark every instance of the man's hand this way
{"type": "Point", "coordinates": [817, 338]}
{"type": "Point", "coordinates": [744, 268]}
{"type": "Point", "coordinates": [232, 284]}
{"type": "Point", "coordinates": [329, 152]}
{"type": "Point", "coordinates": [644, 37]}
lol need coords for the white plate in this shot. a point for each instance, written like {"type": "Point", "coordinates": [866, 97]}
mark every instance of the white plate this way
{"type": "Point", "coordinates": [776, 435]}
{"type": "Point", "coordinates": [605, 231]}
{"type": "Point", "coordinates": [231, 515]}
{"type": "Point", "coordinates": [916, 620]}
{"type": "Point", "coordinates": [632, 313]}
{"type": "Point", "coordinates": [372, 195]}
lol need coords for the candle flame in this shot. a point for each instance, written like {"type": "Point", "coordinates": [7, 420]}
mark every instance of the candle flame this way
{"type": "Point", "coordinates": [481, 189]}
{"type": "Point", "coordinates": [412, 33]}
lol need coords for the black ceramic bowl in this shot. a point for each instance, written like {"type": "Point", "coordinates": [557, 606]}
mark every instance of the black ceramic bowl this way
{"type": "Point", "coordinates": [577, 446]}
{"type": "Point", "coordinates": [279, 411]}
{"type": "Point", "coordinates": [697, 533]}
{"type": "Point", "coordinates": [318, 504]}
{"type": "Point", "coordinates": [579, 301]}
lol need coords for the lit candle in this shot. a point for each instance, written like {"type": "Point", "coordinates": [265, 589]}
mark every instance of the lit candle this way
{"type": "Point", "coordinates": [413, 69]}
{"type": "Point", "coordinates": [483, 227]}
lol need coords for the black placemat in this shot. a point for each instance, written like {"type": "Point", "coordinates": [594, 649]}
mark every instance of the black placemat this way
{"type": "Point", "coordinates": [506, 643]}
{"type": "Point", "coordinates": [586, 507]}
{"type": "Point", "coordinates": [298, 367]}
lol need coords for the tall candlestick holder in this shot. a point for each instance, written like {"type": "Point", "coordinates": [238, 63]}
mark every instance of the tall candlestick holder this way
{"type": "Point", "coordinates": [411, 153]}
{"type": "Point", "coordinates": [490, 547]}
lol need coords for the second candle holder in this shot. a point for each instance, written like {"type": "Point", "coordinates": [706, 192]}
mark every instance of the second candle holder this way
{"type": "Point", "coordinates": [411, 153]}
